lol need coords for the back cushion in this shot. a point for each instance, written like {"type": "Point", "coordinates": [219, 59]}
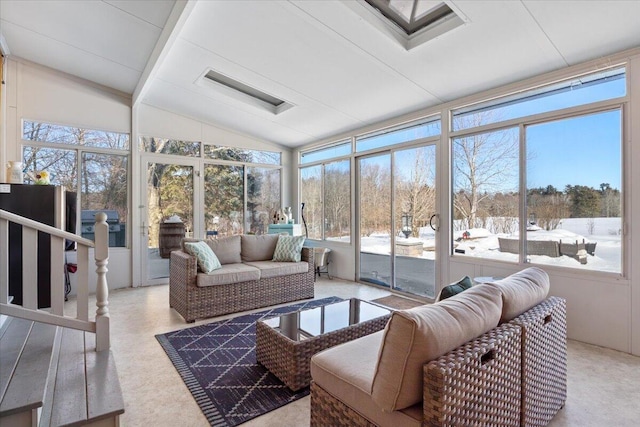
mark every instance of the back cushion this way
{"type": "Point", "coordinates": [521, 291]}
{"type": "Point", "coordinates": [258, 247]}
{"type": "Point", "coordinates": [455, 288]}
{"type": "Point", "coordinates": [417, 336]}
{"type": "Point", "coordinates": [227, 249]}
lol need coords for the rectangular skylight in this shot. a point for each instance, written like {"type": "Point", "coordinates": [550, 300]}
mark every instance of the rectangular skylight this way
{"type": "Point", "coordinates": [412, 15]}
{"type": "Point", "coordinates": [243, 88]}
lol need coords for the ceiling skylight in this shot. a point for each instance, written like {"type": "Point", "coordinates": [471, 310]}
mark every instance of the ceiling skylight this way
{"type": "Point", "coordinates": [243, 92]}
{"type": "Point", "coordinates": [412, 15]}
{"type": "Point", "coordinates": [411, 22]}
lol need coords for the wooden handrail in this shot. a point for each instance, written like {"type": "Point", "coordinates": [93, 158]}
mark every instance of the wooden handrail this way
{"type": "Point", "coordinates": [45, 228]}
{"type": "Point", "coordinates": [55, 316]}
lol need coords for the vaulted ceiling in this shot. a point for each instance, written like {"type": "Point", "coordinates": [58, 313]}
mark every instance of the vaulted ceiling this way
{"type": "Point", "coordinates": [337, 67]}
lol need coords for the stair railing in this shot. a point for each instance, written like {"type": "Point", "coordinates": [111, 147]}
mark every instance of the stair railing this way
{"type": "Point", "coordinates": [55, 314]}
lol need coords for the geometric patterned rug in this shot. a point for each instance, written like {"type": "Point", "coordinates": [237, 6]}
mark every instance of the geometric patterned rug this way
{"type": "Point", "coordinates": [217, 362]}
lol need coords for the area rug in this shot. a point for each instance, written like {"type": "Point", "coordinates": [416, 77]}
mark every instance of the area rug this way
{"type": "Point", "coordinates": [217, 362]}
{"type": "Point", "coordinates": [397, 302]}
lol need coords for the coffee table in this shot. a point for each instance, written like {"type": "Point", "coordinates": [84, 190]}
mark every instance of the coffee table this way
{"type": "Point", "coordinates": [285, 344]}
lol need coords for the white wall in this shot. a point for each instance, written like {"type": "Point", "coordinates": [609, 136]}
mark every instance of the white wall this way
{"type": "Point", "coordinates": [39, 93]}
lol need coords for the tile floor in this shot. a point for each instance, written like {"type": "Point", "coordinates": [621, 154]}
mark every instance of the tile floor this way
{"type": "Point", "coordinates": [604, 385]}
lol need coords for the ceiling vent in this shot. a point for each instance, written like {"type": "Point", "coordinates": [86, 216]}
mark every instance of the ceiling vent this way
{"type": "Point", "coordinates": [243, 92]}
{"type": "Point", "coordinates": [410, 22]}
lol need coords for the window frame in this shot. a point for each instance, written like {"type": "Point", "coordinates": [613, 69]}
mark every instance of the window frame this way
{"type": "Point", "coordinates": [620, 103]}
{"type": "Point", "coordinates": [80, 150]}
{"type": "Point", "coordinates": [323, 163]}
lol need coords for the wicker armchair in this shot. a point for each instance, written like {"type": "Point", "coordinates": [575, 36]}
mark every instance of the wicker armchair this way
{"type": "Point", "coordinates": [514, 375]}
{"type": "Point", "coordinates": [478, 383]}
{"type": "Point", "coordinates": [194, 302]}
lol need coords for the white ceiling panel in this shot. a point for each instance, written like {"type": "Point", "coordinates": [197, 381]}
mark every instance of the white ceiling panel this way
{"type": "Point", "coordinates": [154, 12]}
{"type": "Point", "coordinates": [94, 27]}
{"type": "Point", "coordinates": [60, 56]}
{"type": "Point", "coordinates": [286, 49]}
{"type": "Point", "coordinates": [163, 94]}
{"type": "Point", "coordinates": [587, 30]}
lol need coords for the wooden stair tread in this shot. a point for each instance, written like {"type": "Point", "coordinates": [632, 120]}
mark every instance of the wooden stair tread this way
{"type": "Point", "coordinates": [28, 382]}
{"type": "Point", "coordinates": [58, 371]}
{"type": "Point", "coordinates": [104, 395]}
{"type": "Point", "coordinates": [12, 341]}
{"type": "Point", "coordinates": [69, 404]}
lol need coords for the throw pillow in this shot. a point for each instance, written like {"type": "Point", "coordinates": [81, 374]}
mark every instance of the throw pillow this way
{"type": "Point", "coordinates": [455, 288]}
{"type": "Point", "coordinates": [289, 248]}
{"type": "Point", "coordinates": [207, 260]}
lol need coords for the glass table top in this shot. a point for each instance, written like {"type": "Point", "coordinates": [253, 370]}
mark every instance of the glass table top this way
{"type": "Point", "coordinates": [301, 325]}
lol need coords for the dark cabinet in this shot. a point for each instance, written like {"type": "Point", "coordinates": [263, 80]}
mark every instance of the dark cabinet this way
{"type": "Point", "coordinates": [47, 204]}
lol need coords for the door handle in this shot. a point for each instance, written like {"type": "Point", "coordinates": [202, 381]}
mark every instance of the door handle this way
{"type": "Point", "coordinates": [435, 227]}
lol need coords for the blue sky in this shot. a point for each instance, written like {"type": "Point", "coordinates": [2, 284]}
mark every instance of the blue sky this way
{"type": "Point", "coordinates": [577, 151]}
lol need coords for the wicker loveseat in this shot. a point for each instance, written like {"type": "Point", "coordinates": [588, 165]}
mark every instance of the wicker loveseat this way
{"type": "Point", "coordinates": [494, 354]}
{"type": "Point", "coordinates": [248, 278]}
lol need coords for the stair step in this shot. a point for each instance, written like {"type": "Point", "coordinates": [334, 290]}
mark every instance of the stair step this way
{"type": "Point", "coordinates": [69, 404]}
{"type": "Point", "coordinates": [104, 395]}
{"type": "Point", "coordinates": [28, 373]}
{"type": "Point", "coordinates": [54, 374]}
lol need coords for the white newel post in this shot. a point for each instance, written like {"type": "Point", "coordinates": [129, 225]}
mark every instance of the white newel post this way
{"type": "Point", "coordinates": [102, 290]}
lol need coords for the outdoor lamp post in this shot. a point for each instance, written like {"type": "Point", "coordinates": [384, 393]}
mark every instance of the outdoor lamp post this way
{"type": "Point", "coordinates": [214, 232]}
{"type": "Point", "coordinates": [406, 224]}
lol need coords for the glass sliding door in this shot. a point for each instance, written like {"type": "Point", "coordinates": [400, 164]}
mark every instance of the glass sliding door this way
{"type": "Point", "coordinates": [169, 192]}
{"type": "Point", "coordinates": [397, 206]}
{"type": "Point", "coordinates": [414, 190]}
{"type": "Point", "coordinates": [374, 213]}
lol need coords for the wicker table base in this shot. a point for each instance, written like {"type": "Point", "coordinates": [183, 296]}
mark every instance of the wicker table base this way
{"type": "Point", "coordinates": [289, 360]}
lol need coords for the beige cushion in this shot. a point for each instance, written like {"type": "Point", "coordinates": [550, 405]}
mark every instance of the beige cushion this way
{"type": "Point", "coordinates": [277, 269]}
{"type": "Point", "coordinates": [346, 371]}
{"type": "Point", "coordinates": [521, 291]}
{"type": "Point", "coordinates": [227, 249]}
{"type": "Point", "coordinates": [258, 247]}
{"type": "Point", "coordinates": [416, 336]}
{"type": "Point", "coordinates": [229, 273]}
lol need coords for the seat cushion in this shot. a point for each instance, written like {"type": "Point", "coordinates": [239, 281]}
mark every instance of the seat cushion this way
{"type": "Point", "coordinates": [522, 291]}
{"type": "Point", "coordinates": [346, 372]}
{"type": "Point", "coordinates": [258, 247]}
{"type": "Point", "coordinates": [229, 273]}
{"type": "Point", "coordinates": [416, 336]}
{"type": "Point", "coordinates": [277, 269]}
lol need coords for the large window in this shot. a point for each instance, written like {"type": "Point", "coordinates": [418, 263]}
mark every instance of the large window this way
{"type": "Point", "coordinates": [570, 187]}
{"type": "Point", "coordinates": [574, 191]}
{"type": "Point", "coordinates": [325, 190]}
{"type": "Point", "coordinates": [93, 161]}
{"type": "Point", "coordinates": [242, 187]}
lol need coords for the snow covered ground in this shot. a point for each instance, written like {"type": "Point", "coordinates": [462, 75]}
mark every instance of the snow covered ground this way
{"type": "Point", "coordinates": [605, 232]}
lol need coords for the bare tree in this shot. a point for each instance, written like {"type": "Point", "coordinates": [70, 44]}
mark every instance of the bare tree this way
{"type": "Point", "coordinates": [415, 187]}
{"type": "Point", "coordinates": [375, 198]}
{"type": "Point", "coordinates": [484, 164]}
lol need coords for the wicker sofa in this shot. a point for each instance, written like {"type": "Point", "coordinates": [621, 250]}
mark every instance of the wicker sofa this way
{"type": "Point", "coordinates": [248, 278]}
{"type": "Point", "coordinates": [492, 355]}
